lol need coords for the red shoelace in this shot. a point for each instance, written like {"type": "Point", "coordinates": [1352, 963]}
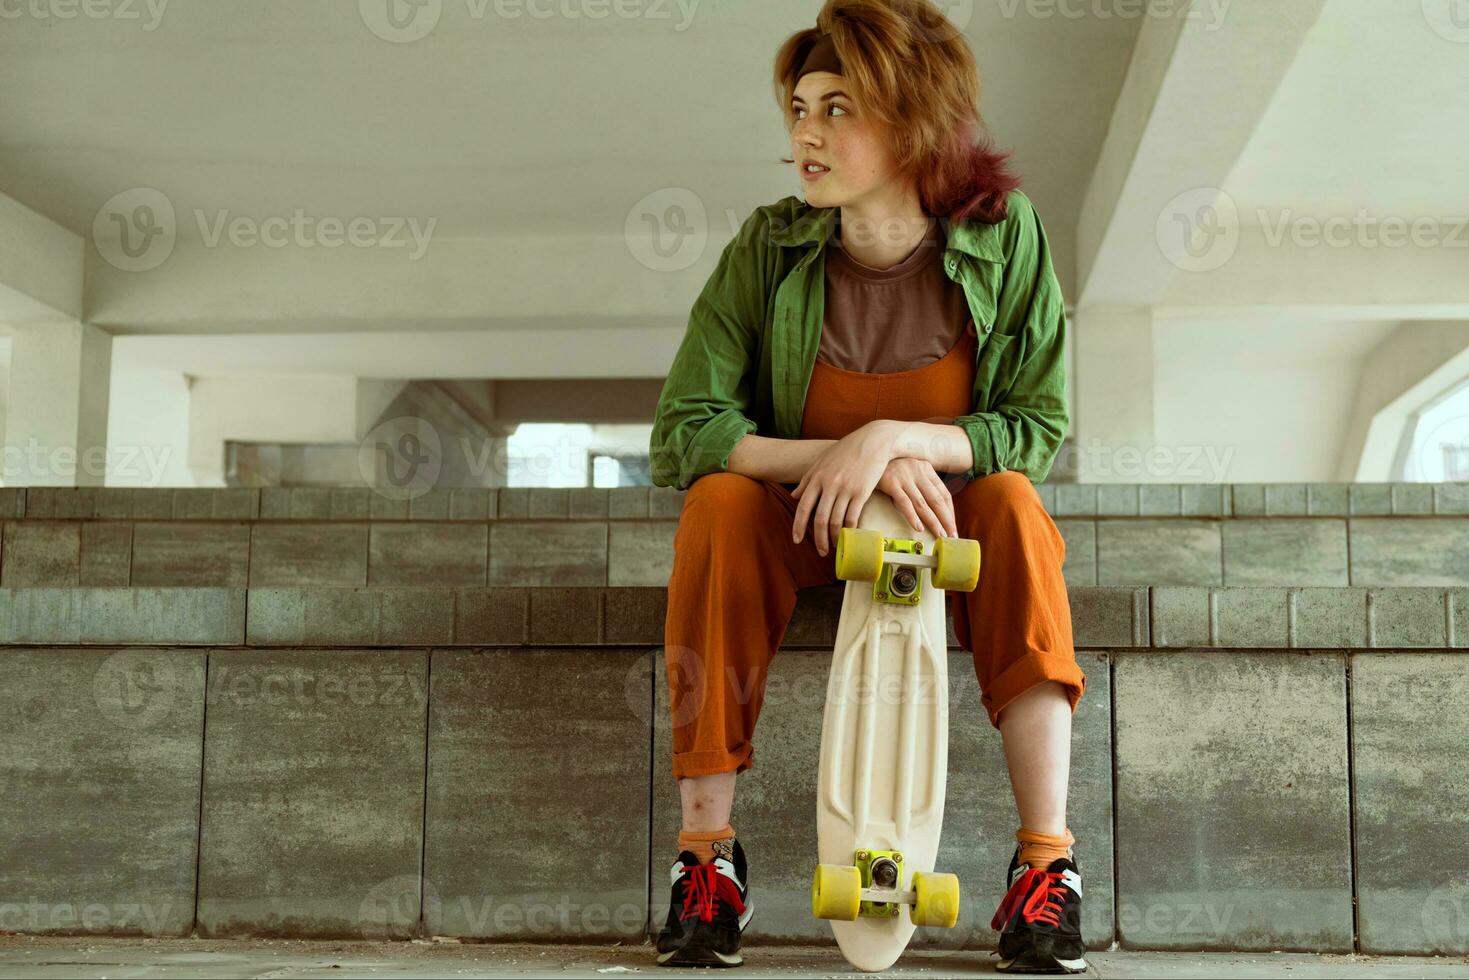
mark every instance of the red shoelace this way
{"type": "Point", "coordinates": [705, 886]}
{"type": "Point", "coordinates": [1038, 894]}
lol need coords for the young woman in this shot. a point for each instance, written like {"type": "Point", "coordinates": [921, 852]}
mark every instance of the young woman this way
{"type": "Point", "coordinates": [900, 330]}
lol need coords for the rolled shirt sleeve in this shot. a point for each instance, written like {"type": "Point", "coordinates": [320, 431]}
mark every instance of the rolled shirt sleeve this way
{"type": "Point", "coordinates": [1030, 419]}
{"type": "Point", "coordinates": [703, 410]}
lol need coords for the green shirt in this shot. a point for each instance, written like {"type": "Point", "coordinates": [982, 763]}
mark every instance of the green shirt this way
{"type": "Point", "coordinates": [746, 358]}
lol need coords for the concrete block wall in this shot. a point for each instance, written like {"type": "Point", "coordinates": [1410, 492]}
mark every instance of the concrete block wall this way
{"type": "Point", "coordinates": [308, 713]}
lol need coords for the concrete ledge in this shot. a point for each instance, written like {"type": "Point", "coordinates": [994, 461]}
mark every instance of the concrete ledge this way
{"type": "Point", "coordinates": [1162, 617]}
{"type": "Point", "coordinates": [1121, 552]}
{"type": "Point", "coordinates": [641, 503]}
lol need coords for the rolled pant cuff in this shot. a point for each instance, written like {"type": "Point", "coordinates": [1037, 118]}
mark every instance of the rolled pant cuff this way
{"type": "Point", "coordinates": [709, 762]}
{"type": "Point", "coordinates": [1027, 672]}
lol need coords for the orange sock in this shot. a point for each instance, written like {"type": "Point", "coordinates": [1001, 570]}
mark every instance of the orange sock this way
{"type": "Point", "coordinates": [705, 844]}
{"type": "Point", "coordinates": [1038, 850]}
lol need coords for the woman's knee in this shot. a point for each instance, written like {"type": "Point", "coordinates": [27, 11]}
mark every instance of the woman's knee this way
{"type": "Point", "coordinates": [1007, 492]}
{"type": "Point", "coordinates": [718, 493]}
{"type": "Point", "coordinates": [717, 505]}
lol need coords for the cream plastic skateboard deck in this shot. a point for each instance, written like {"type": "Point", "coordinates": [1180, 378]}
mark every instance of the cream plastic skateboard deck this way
{"type": "Point", "coordinates": [885, 737]}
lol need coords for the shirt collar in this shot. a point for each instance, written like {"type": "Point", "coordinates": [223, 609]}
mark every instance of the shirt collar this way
{"type": "Point", "coordinates": [976, 238]}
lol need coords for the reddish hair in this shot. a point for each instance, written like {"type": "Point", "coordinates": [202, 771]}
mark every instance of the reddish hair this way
{"type": "Point", "coordinates": [914, 72]}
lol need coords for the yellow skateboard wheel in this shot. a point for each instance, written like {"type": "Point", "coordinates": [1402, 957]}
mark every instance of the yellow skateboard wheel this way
{"type": "Point", "coordinates": [956, 567]}
{"type": "Point", "coordinates": [937, 899]}
{"type": "Point", "coordinates": [836, 892]}
{"type": "Point", "coordinates": [859, 554]}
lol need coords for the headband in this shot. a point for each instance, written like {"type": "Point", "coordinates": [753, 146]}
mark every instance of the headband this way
{"type": "Point", "coordinates": [822, 57]}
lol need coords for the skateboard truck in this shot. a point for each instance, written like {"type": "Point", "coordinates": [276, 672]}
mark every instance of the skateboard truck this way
{"type": "Point", "coordinates": [869, 888]}
{"type": "Point", "coordinates": [881, 872]}
{"type": "Point", "coordinates": [892, 564]}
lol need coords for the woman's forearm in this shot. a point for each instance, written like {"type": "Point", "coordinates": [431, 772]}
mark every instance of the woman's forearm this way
{"type": "Point", "coordinates": [945, 446]}
{"type": "Point", "coordinates": [776, 460]}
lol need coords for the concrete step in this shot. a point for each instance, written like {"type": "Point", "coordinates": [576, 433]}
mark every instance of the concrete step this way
{"type": "Point", "coordinates": [633, 503]}
{"type": "Point", "coordinates": [1304, 618]}
{"type": "Point", "coordinates": [636, 551]}
{"type": "Point", "coordinates": [1232, 794]}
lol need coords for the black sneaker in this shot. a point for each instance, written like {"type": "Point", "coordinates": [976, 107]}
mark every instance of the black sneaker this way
{"type": "Point", "coordinates": [1040, 919]}
{"type": "Point", "coordinates": [707, 912]}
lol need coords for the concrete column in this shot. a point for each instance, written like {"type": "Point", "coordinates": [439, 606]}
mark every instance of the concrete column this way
{"type": "Point", "coordinates": [56, 422]}
{"type": "Point", "coordinates": [1114, 393]}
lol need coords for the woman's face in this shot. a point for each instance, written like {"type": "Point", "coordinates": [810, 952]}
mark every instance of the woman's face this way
{"type": "Point", "coordinates": [829, 129]}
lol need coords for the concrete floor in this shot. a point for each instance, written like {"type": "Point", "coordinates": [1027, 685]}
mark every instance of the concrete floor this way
{"type": "Point", "coordinates": [23, 956]}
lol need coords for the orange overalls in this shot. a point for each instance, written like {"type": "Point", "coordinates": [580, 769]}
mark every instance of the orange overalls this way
{"type": "Point", "coordinates": [736, 572]}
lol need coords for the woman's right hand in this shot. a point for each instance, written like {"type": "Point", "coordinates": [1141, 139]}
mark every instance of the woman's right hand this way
{"type": "Point", "coordinates": [919, 493]}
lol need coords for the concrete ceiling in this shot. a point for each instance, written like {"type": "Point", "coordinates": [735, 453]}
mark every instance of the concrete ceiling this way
{"type": "Point", "coordinates": [493, 125]}
{"type": "Point", "coordinates": [528, 140]}
{"type": "Point", "coordinates": [1373, 114]}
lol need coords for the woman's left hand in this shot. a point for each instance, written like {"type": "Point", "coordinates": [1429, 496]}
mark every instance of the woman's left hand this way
{"type": "Point", "coordinates": [834, 489]}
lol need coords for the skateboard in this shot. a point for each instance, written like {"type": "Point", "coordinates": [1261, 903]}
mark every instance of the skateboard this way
{"type": "Point", "coordinates": [885, 737]}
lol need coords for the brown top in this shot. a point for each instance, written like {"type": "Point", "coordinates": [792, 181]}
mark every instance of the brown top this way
{"type": "Point", "coordinates": [884, 321]}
